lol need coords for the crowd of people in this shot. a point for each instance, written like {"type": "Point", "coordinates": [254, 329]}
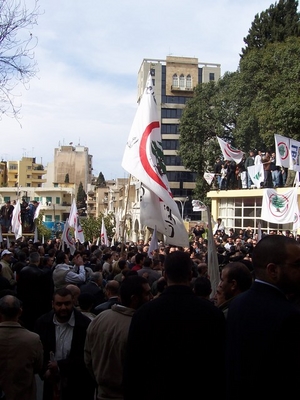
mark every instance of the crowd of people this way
{"type": "Point", "coordinates": [96, 323]}
{"type": "Point", "coordinates": [232, 175]}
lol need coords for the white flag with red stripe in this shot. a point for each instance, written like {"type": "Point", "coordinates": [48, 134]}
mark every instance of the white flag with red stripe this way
{"type": "Point", "coordinates": [144, 159]}
{"type": "Point", "coordinates": [229, 152]}
{"type": "Point", "coordinates": [16, 223]}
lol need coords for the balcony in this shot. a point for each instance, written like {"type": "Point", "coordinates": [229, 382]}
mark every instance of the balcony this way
{"type": "Point", "coordinates": [181, 89]}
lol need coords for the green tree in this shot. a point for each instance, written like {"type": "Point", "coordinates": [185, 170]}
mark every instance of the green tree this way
{"type": "Point", "coordinates": [43, 231]}
{"type": "Point", "coordinates": [248, 106]}
{"type": "Point", "coordinates": [81, 197]}
{"type": "Point", "coordinates": [101, 180]}
{"type": "Point", "coordinates": [92, 226]}
{"type": "Point", "coordinates": [17, 58]}
{"type": "Point", "coordinates": [275, 24]}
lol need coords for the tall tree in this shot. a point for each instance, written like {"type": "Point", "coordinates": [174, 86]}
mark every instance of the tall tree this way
{"type": "Point", "coordinates": [81, 197]}
{"type": "Point", "coordinates": [275, 24]}
{"type": "Point", "coordinates": [101, 180]}
{"type": "Point", "coordinates": [17, 43]}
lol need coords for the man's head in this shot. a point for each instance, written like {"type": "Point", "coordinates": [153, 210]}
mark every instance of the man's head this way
{"type": "Point", "coordinates": [235, 279]}
{"type": "Point", "coordinates": [34, 258]}
{"type": "Point", "coordinates": [10, 308]}
{"type": "Point", "coordinates": [6, 255]}
{"type": "Point", "coordinates": [202, 287]}
{"type": "Point", "coordinates": [276, 259]}
{"type": "Point", "coordinates": [63, 304]}
{"type": "Point", "coordinates": [112, 289]}
{"type": "Point", "coordinates": [135, 291]}
{"type": "Point", "coordinates": [75, 291]}
{"type": "Point", "coordinates": [178, 268]}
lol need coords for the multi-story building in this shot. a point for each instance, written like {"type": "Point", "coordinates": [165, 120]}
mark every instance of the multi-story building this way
{"type": "Point", "coordinates": [72, 164]}
{"type": "Point", "coordinates": [25, 173]}
{"type": "Point", "coordinates": [174, 81]}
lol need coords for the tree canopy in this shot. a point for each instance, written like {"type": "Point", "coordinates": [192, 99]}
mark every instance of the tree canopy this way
{"type": "Point", "coordinates": [247, 107]}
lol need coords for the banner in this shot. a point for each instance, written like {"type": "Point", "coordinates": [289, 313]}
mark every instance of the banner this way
{"type": "Point", "coordinates": [144, 159]}
{"type": "Point", "coordinates": [295, 155]}
{"type": "Point", "coordinates": [229, 152]}
{"type": "Point", "coordinates": [282, 150]}
{"type": "Point", "coordinates": [75, 223]}
{"type": "Point", "coordinates": [154, 212]}
{"type": "Point", "coordinates": [104, 239]}
{"type": "Point", "coordinates": [198, 205]}
{"type": "Point", "coordinates": [209, 177]}
{"type": "Point", "coordinates": [256, 173]}
{"type": "Point", "coordinates": [16, 223]}
{"type": "Point", "coordinates": [279, 208]}
{"type": "Point", "coordinates": [67, 238]}
{"type": "Point", "coordinates": [153, 244]}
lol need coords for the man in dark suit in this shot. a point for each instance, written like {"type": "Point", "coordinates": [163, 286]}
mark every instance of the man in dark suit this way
{"type": "Point", "coordinates": [183, 337]}
{"type": "Point", "coordinates": [62, 332]}
{"type": "Point", "coordinates": [112, 294]}
{"type": "Point", "coordinates": [263, 327]}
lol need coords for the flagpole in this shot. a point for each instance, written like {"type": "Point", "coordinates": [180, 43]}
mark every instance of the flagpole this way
{"type": "Point", "coordinates": [126, 207]}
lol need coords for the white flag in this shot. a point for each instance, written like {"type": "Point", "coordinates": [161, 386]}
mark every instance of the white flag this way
{"type": "Point", "coordinates": [67, 238]}
{"type": "Point", "coordinates": [256, 173]}
{"type": "Point", "coordinates": [259, 232]}
{"type": "Point", "coordinates": [282, 150]}
{"type": "Point", "coordinates": [37, 211]}
{"type": "Point", "coordinates": [295, 155]}
{"type": "Point", "coordinates": [154, 212]}
{"type": "Point", "coordinates": [208, 176]}
{"type": "Point", "coordinates": [153, 244]}
{"type": "Point", "coordinates": [143, 157]}
{"type": "Point", "coordinates": [198, 205]}
{"type": "Point", "coordinates": [16, 223]}
{"type": "Point", "coordinates": [296, 222]}
{"type": "Point", "coordinates": [104, 239]}
{"type": "Point", "coordinates": [212, 257]}
{"type": "Point", "coordinates": [229, 152]}
{"type": "Point", "coordinates": [279, 208]}
{"type": "Point", "coordinates": [36, 236]}
{"type": "Point", "coordinates": [75, 223]}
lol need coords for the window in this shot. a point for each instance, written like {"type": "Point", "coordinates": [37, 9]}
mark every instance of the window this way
{"type": "Point", "coordinates": [175, 80]}
{"type": "Point", "coordinates": [170, 144]}
{"type": "Point", "coordinates": [48, 199]}
{"type": "Point", "coordinates": [28, 184]}
{"type": "Point", "coordinates": [13, 166]}
{"type": "Point", "coordinates": [36, 198]}
{"type": "Point", "coordinates": [181, 81]}
{"type": "Point", "coordinates": [48, 218]}
{"type": "Point", "coordinates": [189, 81]}
{"type": "Point", "coordinates": [57, 200]}
{"type": "Point", "coordinates": [211, 76]}
{"type": "Point", "coordinates": [55, 184]}
{"type": "Point", "coordinates": [28, 176]}
{"type": "Point", "coordinates": [6, 198]}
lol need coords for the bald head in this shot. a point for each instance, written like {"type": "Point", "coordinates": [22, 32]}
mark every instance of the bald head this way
{"type": "Point", "coordinates": [10, 308]}
{"type": "Point", "coordinates": [112, 288]}
{"type": "Point", "coordinates": [75, 291]}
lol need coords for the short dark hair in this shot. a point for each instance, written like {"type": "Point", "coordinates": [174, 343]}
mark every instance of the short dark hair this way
{"type": "Point", "coordinates": [178, 266]}
{"type": "Point", "coordinates": [62, 292]}
{"type": "Point", "coordinates": [130, 286]}
{"type": "Point", "coordinates": [60, 257]}
{"type": "Point", "coordinates": [240, 273]}
{"type": "Point", "coordinates": [202, 286]}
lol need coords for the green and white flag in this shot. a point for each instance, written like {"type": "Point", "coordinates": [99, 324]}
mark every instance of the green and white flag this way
{"type": "Point", "coordinates": [257, 174]}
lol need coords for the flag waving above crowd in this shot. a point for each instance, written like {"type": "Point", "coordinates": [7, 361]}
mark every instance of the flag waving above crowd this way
{"type": "Point", "coordinates": [229, 152]}
{"type": "Point", "coordinates": [143, 158]}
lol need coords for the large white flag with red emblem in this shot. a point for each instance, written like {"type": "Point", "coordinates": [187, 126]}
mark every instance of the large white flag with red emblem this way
{"type": "Point", "coordinates": [282, 151]}
{"type": "Point", "coordinates": [229, 152]}
{"type": "Point", "coordinates": [16, 224]}
{"type": "Point", "coordinates": [279, 208]}
{"type": "Point", "coordinates": [75, 223]}
{"type": "Point", "coordinates": [67, 238]}
{"type": "Point", "coordinates": [144, 159]}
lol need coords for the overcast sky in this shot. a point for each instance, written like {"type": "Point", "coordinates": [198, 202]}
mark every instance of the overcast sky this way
{"type": "Point", "coordinates": [89, 53]}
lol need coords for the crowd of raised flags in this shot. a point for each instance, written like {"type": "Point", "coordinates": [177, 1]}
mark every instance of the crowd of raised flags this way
{"type": "Point", "coordinates": [276, 208]}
